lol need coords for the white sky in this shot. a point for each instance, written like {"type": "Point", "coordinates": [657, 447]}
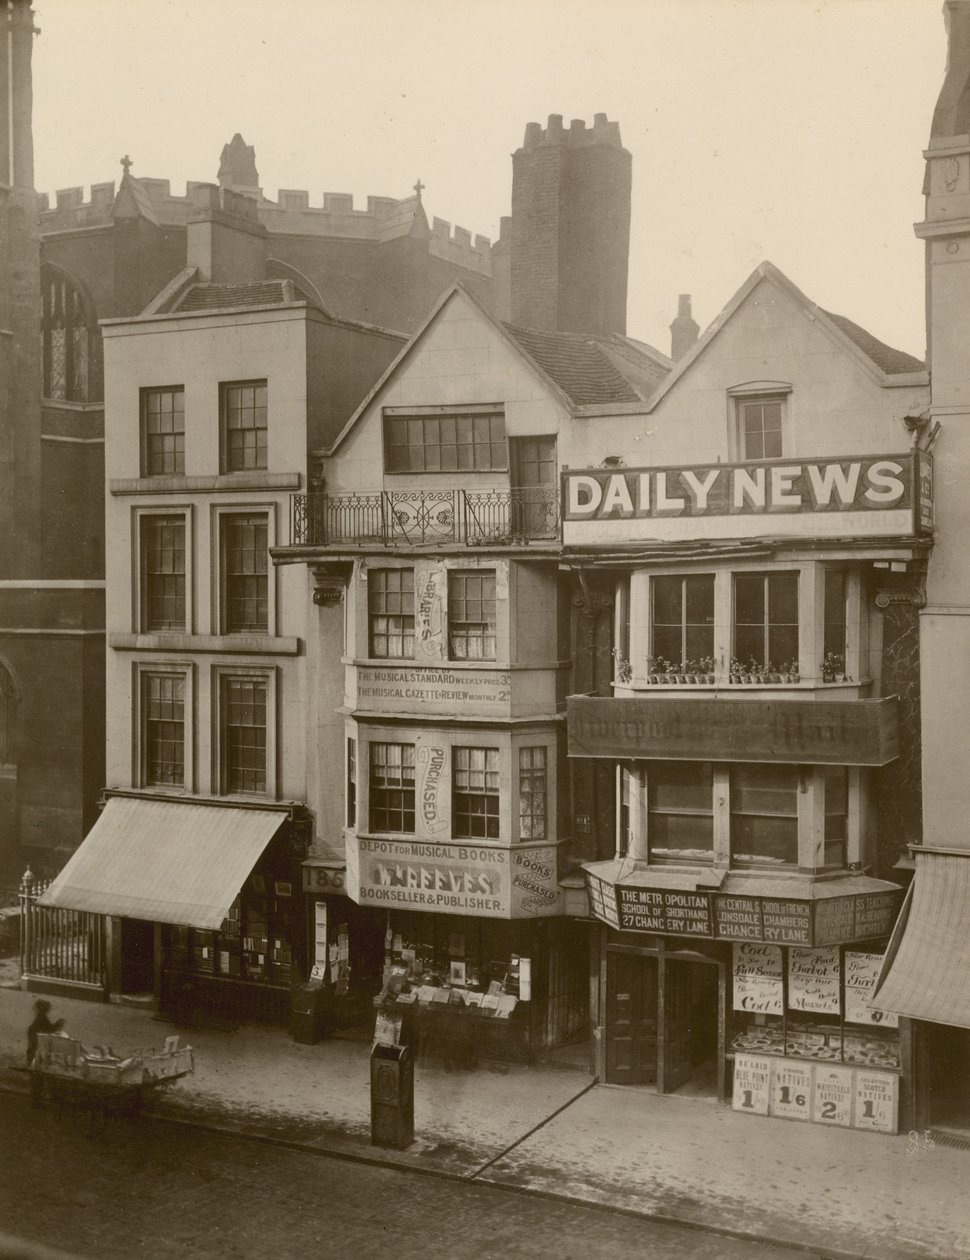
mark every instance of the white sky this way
{"type": "Point", "coordinates": [782, 129]}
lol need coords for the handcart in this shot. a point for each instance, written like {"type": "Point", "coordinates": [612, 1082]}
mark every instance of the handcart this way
{"type": "Point", "coordinates": [97, 1083]}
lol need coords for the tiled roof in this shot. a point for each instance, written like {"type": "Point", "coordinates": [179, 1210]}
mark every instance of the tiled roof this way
{"type": "Point", "coordinates": [215, 297]}
{"type": "Point", "coordinates": [891, 361]}
{"type": "Point", "coordinates": [590, 369]}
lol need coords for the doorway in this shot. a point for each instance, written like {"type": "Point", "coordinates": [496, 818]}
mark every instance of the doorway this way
{"type": "Point", "coordinates": [534, 475]}
{"type": "Point", "coordinates": [947, 1081]}
{"type": "Point", "coordinates": [137, 956]}
{"type": "Point", "coordinates": [665, 1021]}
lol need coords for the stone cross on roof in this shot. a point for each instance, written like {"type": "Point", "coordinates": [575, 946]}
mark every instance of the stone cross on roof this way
{"type": "Point", "coordinates": [126, 163]}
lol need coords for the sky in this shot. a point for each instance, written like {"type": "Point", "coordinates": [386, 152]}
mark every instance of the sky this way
{"type": "Point", "coordinates": [790, 130]}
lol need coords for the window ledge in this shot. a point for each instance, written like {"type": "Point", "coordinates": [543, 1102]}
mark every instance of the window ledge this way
{"type": "Point", "coordinates": [247, 644]}
{"type": "Point", "coordinates": [221, 484]}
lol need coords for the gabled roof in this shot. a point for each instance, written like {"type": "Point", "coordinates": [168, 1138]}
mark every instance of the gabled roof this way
{"type": "Point", "coordinates": [592, 369]}
{"type": "Point", "coordinates": [893, 362]}
{"type": "Point", "coordinates": [579, 369]}
{"type": "Point", "coordinates": [882, 362]}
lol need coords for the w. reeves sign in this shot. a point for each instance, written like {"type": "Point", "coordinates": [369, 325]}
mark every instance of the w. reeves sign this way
{"type": "Point", "coordinates": [867, 496]}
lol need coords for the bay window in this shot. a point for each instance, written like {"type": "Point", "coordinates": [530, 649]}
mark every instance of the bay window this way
{"type": "Point", "coordinates": [680, 811]}
{"type": "Point", "coordinates": [764, 815]}
{"type": "Point", "coordinates": [766, 619]}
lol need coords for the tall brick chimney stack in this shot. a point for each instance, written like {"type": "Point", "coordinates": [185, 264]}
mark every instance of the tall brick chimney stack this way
{"type": "Point", "coordinates": [16, 94]}
{"type": "Point", "coordinates": [570, 234]}
{"type": "Point", "coordinates": [683, 330]}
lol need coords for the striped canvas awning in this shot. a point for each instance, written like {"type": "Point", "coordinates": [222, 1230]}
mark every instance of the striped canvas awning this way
{"type": "Point", "coordinates": [164, 861]}
{"type": "Point", "coordinates": [926, 973]}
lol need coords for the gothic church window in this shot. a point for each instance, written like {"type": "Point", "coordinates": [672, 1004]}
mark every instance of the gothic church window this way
{"type": "Point", "coordinates": [67, 341]}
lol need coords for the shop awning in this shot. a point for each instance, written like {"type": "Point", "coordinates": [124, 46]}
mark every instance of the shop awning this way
{"type": "Point", "coordinates": [926, 974]}
{"type": "Point", "coordinates": [164, 861]}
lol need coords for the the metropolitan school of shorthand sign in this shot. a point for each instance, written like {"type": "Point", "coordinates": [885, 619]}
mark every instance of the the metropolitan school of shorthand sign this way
{"type": "Point", "coordinates": [451, 646]}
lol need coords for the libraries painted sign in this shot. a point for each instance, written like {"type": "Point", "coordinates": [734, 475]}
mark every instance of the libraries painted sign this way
{"type": "Point", "coordinates": [864, 496]}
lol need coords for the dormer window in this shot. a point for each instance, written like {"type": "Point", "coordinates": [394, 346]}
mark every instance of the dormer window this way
{"type": "Point", "coordinates": [760, 420]}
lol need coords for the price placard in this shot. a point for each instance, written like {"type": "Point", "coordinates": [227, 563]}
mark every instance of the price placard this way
{"type": "Point", "coordinates": [752, 1084]}
{"type": "Point", "coordinates": [791, 1090]}
{"type": "Point", "coordinates": [813, 980]}
{"type": "Point", "coordinates": [876, 1101]}
{"type": "Point", "coordinates": [861, 973]}
{"type": "Point", "coordinates": [832, 1103]}
{"type": "Point", "coordinates": [757, 979]}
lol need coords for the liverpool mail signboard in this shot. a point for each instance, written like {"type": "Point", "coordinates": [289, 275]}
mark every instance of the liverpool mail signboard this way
{"type": "Point", "coordinates": [672, 728]}
{"type": "Point", "coordinates": [859, 496]}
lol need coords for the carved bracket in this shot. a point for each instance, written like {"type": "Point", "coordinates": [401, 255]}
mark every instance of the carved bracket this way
{"type": "Point", "coordinates": [914, 596]}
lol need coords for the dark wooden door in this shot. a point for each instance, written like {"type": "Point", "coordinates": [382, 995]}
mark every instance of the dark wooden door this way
{"type": "Point", "coordinates": [631, 1020]}
{"type": "Point", "coordinates": [534, 476]}
{"type": "Point", "coordinates": [677, 996]}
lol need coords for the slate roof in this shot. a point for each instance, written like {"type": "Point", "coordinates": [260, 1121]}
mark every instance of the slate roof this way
{"type": "Point", "coordinates": [215, 297]}
{"type": "Point", "coordinates": [592, 369]}
{"type": "Point", "coordinates": [892, 362]}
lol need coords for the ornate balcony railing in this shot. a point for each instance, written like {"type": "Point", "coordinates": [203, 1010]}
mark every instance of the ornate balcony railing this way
{"type": "Point", "coordinates": [408, 518]}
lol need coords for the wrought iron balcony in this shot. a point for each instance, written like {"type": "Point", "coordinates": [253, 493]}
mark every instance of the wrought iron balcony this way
{"type": "Point", "coordinates": [410, 518]}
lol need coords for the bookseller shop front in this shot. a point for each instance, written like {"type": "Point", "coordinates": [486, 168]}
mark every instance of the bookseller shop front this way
{"type": "Point", "coordinates": [761, 1000]}
{"type": "Point", "coordinates": [467, 933]}
{"type": "Point", "coordinates": [203, 900]}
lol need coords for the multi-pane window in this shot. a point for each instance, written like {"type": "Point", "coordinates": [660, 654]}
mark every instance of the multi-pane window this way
{"type": "Point", "coordinates": [163, 698]}
{"type": "Point", "coordinates": [759, 422]}
{"type": "Point", "coordinates": [627, 819]}
{"type": "Point", "coordinates": [836, 788]}
{"type": "Point", "coordinates": [532, 793]}
{"type": "Point", "coordinates": [66, 340]}
{"type": "Point", "coordinates": [392, 787]}
{"type": "Point", "coordinates": [163, 431]}
{"type": "Point", "coordinates": [390, 608]}
{"type": "Point", "coordinates": [475, 793]}
{"type": "Point", "coordinates": [683, 619]}
{"type": "Point", "coordinates": [163, 572]}
{"type": "Point", "coordinates": [764, 815]}
{"type": "Point", "coordinates": [445, 442]}
{"type": "Point", "coordinates": [471, 615]}
{"type": "Point", "coordinates": [244, 735]}
{"type": "Point", "coordinates": [766, 618]}
{"type": "Point", "coordinates": [351, 783]}
{"type": "Point", "coordinates": [245, 560]}
{"type": "Point", "coordinates": [680, 810]}
{"type": "Point", "coordinates": [834, 644]}
{"type": "Point", "coordinates": [243, 409]}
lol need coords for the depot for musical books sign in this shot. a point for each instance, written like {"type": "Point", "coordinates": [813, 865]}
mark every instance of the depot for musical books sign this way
{"type": "Point", "coordinates": [863, 496]}
{"type": "Point", "coordinates": [453, 877]}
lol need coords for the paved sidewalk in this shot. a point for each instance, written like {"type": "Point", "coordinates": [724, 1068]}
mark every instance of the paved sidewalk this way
{"type": "Point", "coordinates": [550, 1129]}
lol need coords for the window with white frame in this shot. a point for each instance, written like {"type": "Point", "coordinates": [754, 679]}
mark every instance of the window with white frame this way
{"type": "Point", "coordinates": [475, 793]}
{"type": "Point", "coordinates": [163, 572]}
{"type": "Point", "coordinates": [471, 615]}
{"type": "Point", "coordinates": [764, 815]}
{"type": "Point", "coordinates": [390, 612]}
{"type": "Point", "coordinates": [243, 720]}
{"type": "Point", "coordinates": [683, 620]}
{"type": "Point", "coordinates": [392, 787]}
{"type": "Point", "coordinates": [163, 431]}
{"type": "Point", "coordinates": [244, 539]}
{"type": "Point", "coordinates": [680, 811]}
{"type": "Point", "coordinates": [532, 793]}
{"type": "Point", "coordinates": [243, 418]}
{"type": "Point", "coordinates": [163, 729]}
{"type": "Point", "coordinates": [766, 619]}
{"type": "Point", "coordinates": [442, 439]}
{"type": "Point", "coordinates": [760, 425]}
{"type": "Point", "coordinates": [351, 782]}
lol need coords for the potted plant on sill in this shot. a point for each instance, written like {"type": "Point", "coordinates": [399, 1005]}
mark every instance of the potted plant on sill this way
{"type": "Point", "coordinates": [706, 670]}
{"type": "Point", "coordinates": [736, 671]}
{"type": "Point", "coordinates": [623, 668]}
{"type": "Point", "coordinates": [833, 667]}
{"type": "Point", "coordinates": [789, 672]}
{"type": "Point", "coordinates": [657, 669]}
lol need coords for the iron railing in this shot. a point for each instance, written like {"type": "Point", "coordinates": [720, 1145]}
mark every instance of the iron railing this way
{"type": "Point", "coordinates": [408, 518]}
{"type": "Point", "coordinates": [57, 944]}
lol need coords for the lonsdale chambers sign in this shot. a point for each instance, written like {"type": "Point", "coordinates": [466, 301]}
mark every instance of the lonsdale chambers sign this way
{"type": "Point", "coordinates": [831, 732]}
{"type": "Point", "coordinates": [858, 496]}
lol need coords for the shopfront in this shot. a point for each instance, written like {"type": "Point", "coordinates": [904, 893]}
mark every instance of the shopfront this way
{"type": "Point", "coordinates": [763, 1002]}
{"type": "Point", "coordinates": [213, 893]}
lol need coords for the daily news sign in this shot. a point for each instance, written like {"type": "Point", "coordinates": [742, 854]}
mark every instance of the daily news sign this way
{"type": "Point", "coordinates": [868, 496]}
